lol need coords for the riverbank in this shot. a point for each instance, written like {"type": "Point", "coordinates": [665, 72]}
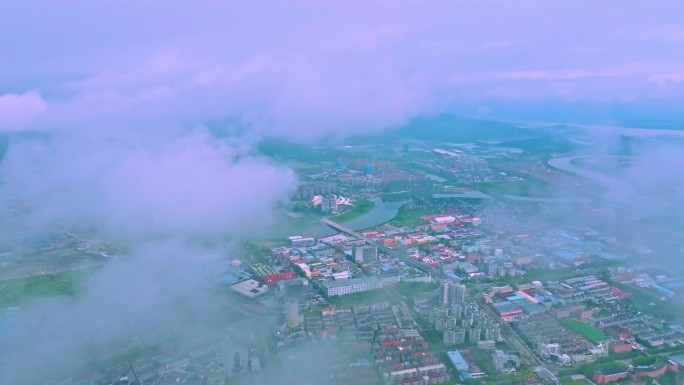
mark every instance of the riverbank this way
{"type": "Point", "coordinates": [361, 207]}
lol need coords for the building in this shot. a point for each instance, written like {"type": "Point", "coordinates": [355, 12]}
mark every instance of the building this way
{"type": "Point", "coordinates": [433, 374]}
{"type": "Point", "coordinates": [454, 336]}
{"type": "Point", "coordinates": [329, 203]}
{"type": "Point", "coordinates": [292, 318]}
{"type": "Point", "coordinates": [299, 241]}
{"type": "Point", "coordinates": [609, 375]}
{"type": "Point", "coordinates": [618, 332]}
{"type": "Point", "coordinates": [310, 190]}
{"type": "Point", "coordinates": [619, 346]}
{"type": "Point", "coordinates": [501, 359]}
{"type": "Point", "coordinates": [486, 345]}
{"type": "Point", "coordinates": [457, 359]}
{"type": "Point", "coordinates": [655, 370]}
{"type": "Point", "coordinates": [294, 290]}
{"type": "Point", "coordinates": [348, 286]}
{"type": "Point", "coordinates": [365, 254]}
{"type": "Point", "coordinates": [548, 350]}
{"type": "Point", "coordinates": [491, 267]}
{"type": "Point", "coordinates": [452, 292]}
{"type": "Point", "coordinates": [272, 279]}
{"type": "Point", "coordinates": [250, 288]}
{"type": "Point", "coordinates": [234, 358]}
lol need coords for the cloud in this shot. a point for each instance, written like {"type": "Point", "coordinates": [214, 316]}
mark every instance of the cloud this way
{"type": "Point", "coordinates": [156, 291]}
{"type": "Point", "coordinates": [17, 110]}
{"type": "Point", "coordinates": [307, 70]}
{"type": "Point", "coordinates": [144, 182]}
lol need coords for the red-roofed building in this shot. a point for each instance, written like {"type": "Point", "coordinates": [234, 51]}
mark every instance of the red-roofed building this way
{"type": "Point", "coordinates": [272, 279]}
{"type": "Point", "coordinates": [620, 346]}
{"type": "Point", "coordinates": [388, 242]}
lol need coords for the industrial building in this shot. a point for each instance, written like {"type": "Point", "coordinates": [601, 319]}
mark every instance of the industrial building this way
{"type": "Point", "coordinates": [250, 288]}
{"type": "Point", "coordinates": [348, 286]}
{"type": "Point", "coordinates": [457, 359]}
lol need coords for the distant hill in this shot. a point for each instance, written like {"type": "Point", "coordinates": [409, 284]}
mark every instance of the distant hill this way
{"type": "Point", "coordinates": [452, 128]}
{"type": "Point", "coordinates": [439, 128]}
{"type": "Point", "coordinates": [445, 127]}
{"type": "Point", "coordinates": [291, 151]}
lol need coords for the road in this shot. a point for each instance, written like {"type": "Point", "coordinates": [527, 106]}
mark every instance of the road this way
{"type": "Point", "coordinates": [87, 241]}
{"type": "Point", "coordinates": [518, 344]}
{"type": "Point", "coordinates": [400, 254]}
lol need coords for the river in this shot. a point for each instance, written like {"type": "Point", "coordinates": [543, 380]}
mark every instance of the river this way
{"type": "Point", "coordinates": [381, 213]}
{"type": "Point", "coordinates": [616, 187]}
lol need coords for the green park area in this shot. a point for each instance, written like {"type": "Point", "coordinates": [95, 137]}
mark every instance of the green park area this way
{"type": "Point", "coordinates": [526, 188]}
{"type": "Point", "coordinates": [361, 207]}
{"type": "Point", "coordinates": [409, 289]}
{"type": "Point", "coordinates": [13, 292]}
{"type": "Point", "coordinates": [410, 217]}
{"type": "Point", "coordinates": [585, 330]}
{"type": "Point", "coordinates": [588, 369]}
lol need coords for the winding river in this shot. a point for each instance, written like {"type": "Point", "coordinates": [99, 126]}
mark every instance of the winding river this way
{"type": "Point", "coordinates": [616, 187]}
{"type": "Point", "coordinates": [381, 213]}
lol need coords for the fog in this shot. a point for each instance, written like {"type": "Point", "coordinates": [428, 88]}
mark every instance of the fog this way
{"type": "Point", "coordinates": [166, 194]}
{"type": "Point", "coordinates": [158, 290]}
{"type": "Point", "coordinates": [144, 183]}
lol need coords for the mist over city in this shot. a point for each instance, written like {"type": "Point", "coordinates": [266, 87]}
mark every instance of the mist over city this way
{"type": "Point", "coordinates": [344, 193]}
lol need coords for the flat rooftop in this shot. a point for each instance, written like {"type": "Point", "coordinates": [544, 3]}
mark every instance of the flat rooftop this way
{"type": "Point", "coordinates": [250, 288]}
{"type": "Point", "coordinates": [457, 359]}
{"type": "Point", "coordinates": [349, 282]}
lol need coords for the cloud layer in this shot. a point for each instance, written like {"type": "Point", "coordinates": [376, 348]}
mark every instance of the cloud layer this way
{"type": "Point", "coordinates": [305, 69]}
{"type": "Point", "coordinates": [151, 184]}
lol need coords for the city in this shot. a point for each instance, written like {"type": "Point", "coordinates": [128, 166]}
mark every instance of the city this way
{"type": "Point", "coordinates": [342, 193]}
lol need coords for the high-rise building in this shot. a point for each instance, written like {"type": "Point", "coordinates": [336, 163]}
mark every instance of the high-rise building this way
{"type": "Point", "coordinates": [475, 334]}
{"type": "Point", "coordinates": [444, 293]}
{"type": "Point", "coordinates": [452, 292]}
{"type": "Point", "coordinates": [491, 267]}
{"type": "Point", "coordinates": [309, 190]}
{"type": "Point", "coordinates": [294, 290]}
{"type": "Point", "coordinates": [329, 203]}
{"type": "Point", "coordinates": [365, 253]}
{"type": "Point", "coordinates": [292, 314]}
{"type": "Point", "coordinates": [234, 358]}
{"type": "Point", "coordinates": [454, 336]}
{"type": "Point", "coordinates": [459, 292]}
{"type": "Point", "coordinates": [254, 362]}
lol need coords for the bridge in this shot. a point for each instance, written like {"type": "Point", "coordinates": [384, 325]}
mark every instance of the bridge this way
{"type": "Point", "coordinates": [399, 254]}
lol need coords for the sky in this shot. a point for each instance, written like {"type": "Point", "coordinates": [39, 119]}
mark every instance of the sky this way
{"type": "Point", "coordinates": [306, 68]}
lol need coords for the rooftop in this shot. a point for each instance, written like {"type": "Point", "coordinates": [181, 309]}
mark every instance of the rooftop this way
{"type": "Point", "coordinates": [349, 282]}
{"type": "Point", "coordinates": [250, 288]}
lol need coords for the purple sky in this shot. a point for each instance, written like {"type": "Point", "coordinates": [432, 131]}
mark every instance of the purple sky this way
{"type": "Point", "coordinates": [311, 67]}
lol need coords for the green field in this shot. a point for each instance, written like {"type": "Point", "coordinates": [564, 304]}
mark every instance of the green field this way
{"type": "Point", "coordinates": [361, 206]}
{"type": "Point", "coordinates": [15, 291]}
{"type": "Point", "coordinates": [587, 331]}
{"type": "Point", "coordinates": [524, 188]}
{"type": "Point", "coordinates": [410, 217]}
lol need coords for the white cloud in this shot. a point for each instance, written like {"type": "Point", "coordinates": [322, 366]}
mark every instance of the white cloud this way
{"type": "Point", "coordinates": [17, 110]}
